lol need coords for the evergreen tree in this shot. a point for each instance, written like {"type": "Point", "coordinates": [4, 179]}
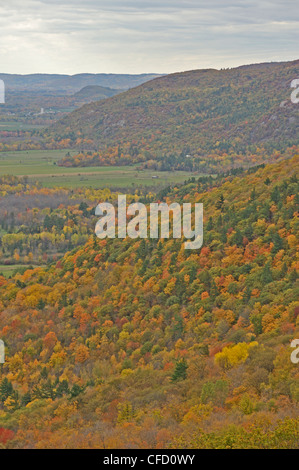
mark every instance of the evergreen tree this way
{"type": "Point", "coordinates": [220, 203]}
{"type": "Point", "coordinates": [6, 389]}
{"type": "Point", "coordinates": [266, 276]}
{"type": "Point", "coordinates": [180, 372]}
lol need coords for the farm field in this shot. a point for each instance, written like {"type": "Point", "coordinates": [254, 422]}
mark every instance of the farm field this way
{"type": "Point", "coordinates": [9, 270]}
{"type": "Point", "coordinates": [40, 165]}
{"type": "Point", "coordinates": [18, 126]}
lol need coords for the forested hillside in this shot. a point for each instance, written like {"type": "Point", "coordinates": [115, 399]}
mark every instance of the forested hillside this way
{"type": "Point", "coordinates": [189, 120]}
{"type": "Point", "coordinates": [142, 344]}
{"type": "Point", "coordinates": [38, 225]}
{"type": "Point", "coordinates": [56, 95]}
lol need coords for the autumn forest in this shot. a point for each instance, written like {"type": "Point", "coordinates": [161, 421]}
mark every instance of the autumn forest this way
{"type": "Point", "coordinates": [139, 343]}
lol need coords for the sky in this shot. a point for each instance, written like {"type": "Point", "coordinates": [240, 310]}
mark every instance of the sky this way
{"type": "Point", "coordinates": [143, 36]}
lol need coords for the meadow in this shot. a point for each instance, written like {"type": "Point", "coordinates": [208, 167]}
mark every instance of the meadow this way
{"type": "Point", "coordinates": [41, 165]}
{"type": "Point", "coordinates": [8, 270]}
{"type": "Point", "coordinates": [18, 126]}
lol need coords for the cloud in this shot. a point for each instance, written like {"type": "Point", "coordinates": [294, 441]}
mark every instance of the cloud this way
{"type": "Point", "coordinates": [71, 36]}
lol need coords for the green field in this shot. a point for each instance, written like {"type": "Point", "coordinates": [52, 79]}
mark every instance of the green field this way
{"type": "Point", "coordinates": [18, 126]}
{"type": "Point", "coordinates": [9, 270]}
{"type": "Point", "coordinates": [40, 165]}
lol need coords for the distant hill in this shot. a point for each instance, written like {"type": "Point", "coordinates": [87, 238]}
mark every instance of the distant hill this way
{"type": "Point", "coordinates": [94, 93]}
{"type": "Point", "coordinates": [193, 114]}
{"type": "Point", "coordinates": [20, 102]}
{"type": "Point", "coordinates": [69, 84]}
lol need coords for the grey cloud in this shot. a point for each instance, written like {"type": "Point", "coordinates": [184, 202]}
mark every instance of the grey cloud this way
{"type": "Point", "coordinates": [71, 36]}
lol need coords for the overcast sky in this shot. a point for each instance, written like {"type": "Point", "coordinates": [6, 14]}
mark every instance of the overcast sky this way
{"type": "Point", "coordinates": [137, 36]}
